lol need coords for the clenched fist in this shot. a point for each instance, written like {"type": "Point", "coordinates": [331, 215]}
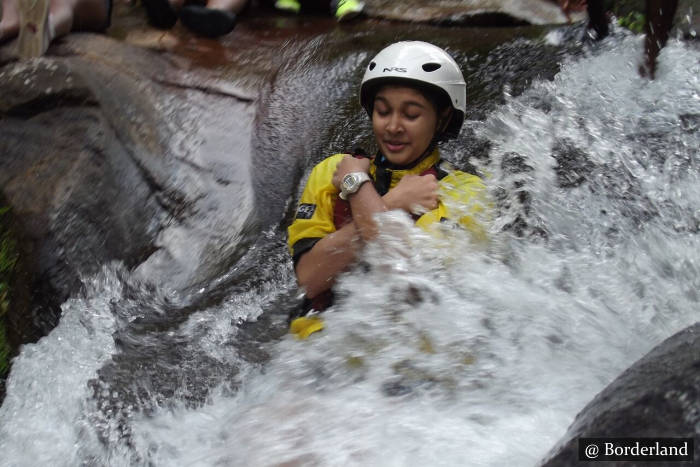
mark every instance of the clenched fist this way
{"type": "Point", "coordinates": [414, 194]}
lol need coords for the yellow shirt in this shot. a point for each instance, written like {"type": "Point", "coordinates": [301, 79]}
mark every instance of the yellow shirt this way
{"type": "Point", "coordinates": [462, 199]}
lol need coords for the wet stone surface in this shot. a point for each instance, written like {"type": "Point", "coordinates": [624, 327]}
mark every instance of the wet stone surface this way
{"type": "Point", "coordinates": [656, 397]}
{"type": "Point", "coordinates": [483, 13]}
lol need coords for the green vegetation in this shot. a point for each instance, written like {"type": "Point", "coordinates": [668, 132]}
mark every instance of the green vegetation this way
{"type": "Point", "coordinates": [8, 260]}
{"type": "Point", "coordinates": [634, 21]}
{"type": "Point", "coordinates": [622, 8]}
{"type": "Point", "coordinates": [629, 13]}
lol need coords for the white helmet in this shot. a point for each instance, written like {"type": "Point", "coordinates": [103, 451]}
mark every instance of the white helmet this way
{"type": "Point", "coordinates": [418, 63]}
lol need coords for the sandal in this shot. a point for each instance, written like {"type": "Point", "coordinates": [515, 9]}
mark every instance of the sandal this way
{"type": "Point", "coordinates": [161, 13]}
{"type": "Point", "coordinates": [207, 22]}
{"type": "Point", "coordinates": [34, 30]}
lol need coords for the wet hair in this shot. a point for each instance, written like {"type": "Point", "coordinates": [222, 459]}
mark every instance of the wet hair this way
{"type": "Point", "coordinates": [435, 96]}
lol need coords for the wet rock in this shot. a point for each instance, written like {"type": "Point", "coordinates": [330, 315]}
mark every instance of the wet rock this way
{"type": "Point", "coordinates": [573, 165]}
{"type": "Point", "coordinates": [108, 152]}
{"type": "Point", "coordinates": [689, 122]}
{"type": "Point", "coordinates": [515, 164]}
{"type": "Point", "coordinates": [510, 69]}
{"type": "Point", "coordinates": [658, 396]}
{"type": "Point", "coordinates": [463, 12]}
{"type": "Point", "coordinates": [73, 189]}
{"type": "Point", "coordinates": [514, 198]}
{"type": "Point", "coordinates": [623, 189]}
{"type": "Point", "coordinates": [482, 13]}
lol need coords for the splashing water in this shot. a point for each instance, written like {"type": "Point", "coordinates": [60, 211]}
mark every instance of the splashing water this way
{"type": "Point", "coordinates": [439, 351]}
{"type": "Point", "coordinates": [47, 396]}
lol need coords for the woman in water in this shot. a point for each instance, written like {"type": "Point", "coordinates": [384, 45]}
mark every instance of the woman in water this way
{"type": "Point", "coordinates": [415, 96]}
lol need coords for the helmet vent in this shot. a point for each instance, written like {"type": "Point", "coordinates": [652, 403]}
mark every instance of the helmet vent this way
{"type": "Point", "coordinates": [431, 67]}
{"type": "Point", "coordinates": [371, 66]}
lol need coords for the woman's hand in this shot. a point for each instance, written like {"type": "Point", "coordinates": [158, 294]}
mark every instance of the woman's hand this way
{"type": "Point", "coordinates": [414, 194]}
{"type": "Point", "coordinates": [348, 165]}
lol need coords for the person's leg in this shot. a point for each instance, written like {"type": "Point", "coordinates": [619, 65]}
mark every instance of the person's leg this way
{"type": "Point", "coordinates": [78, 15]}
{"type": "Point", "coordinates": [61, 17]}
{"type": "Point", "coordinates": [41, 21]}
{"type": "Point", "coordinates": [9, 22]}
{"type": "Point", "coordinates": [91, 15]}
{"type": "Point", "coordinates": [597, 20]}
{"type": "Point", "coordinates": [659, 19]}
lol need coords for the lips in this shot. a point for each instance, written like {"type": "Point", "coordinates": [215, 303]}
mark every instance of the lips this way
{"type": "Point", "coordinates": [395, 146]}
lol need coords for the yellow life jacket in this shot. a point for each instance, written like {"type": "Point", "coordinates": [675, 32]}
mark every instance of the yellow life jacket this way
{"type": "Point", "coordinates": [463, 200]}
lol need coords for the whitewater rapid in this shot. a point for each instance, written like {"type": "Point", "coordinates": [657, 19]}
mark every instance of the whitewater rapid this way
{"type": "Point", "coordinates": [440, 351]}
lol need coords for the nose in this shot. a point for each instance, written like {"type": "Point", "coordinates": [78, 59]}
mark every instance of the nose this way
{"type": "Point", "coordinates": [393, 124]}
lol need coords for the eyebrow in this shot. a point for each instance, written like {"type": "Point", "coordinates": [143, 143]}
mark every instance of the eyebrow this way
{"type": "Point", "coordinates": [416, 103]}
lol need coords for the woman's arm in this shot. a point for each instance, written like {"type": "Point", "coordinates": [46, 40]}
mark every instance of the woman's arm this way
{"type": "Point", "coordinates": [317, 269]}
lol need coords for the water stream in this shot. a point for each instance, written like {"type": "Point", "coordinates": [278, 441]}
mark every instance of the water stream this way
{"type": "Point", "coordinates": [440, 352]}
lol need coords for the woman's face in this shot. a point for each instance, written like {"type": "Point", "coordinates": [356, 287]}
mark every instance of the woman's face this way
{"type": "Point", "coordinates": [404, 123]}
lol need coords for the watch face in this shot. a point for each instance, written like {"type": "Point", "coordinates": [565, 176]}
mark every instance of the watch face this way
{"type": "Point", "coordinates": [349, 182]}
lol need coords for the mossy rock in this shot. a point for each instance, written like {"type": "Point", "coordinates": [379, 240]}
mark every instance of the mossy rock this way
{"type": "Point", "coordinates": [8, 261]}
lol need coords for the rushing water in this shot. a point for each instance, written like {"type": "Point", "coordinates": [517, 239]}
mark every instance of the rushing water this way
{"type": "Point", "coordinates": [441, 352]}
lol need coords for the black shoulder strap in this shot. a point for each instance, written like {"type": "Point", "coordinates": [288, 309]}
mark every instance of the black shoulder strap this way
{"type": "Point", "coordinates": [442, 169]}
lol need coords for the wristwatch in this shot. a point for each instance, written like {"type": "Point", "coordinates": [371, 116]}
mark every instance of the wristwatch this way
{"type": "Point", "coordinates": [351, 183]}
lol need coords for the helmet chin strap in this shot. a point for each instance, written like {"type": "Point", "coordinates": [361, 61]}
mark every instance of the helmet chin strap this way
{"type": "Point", "coordinates": [429, 150]}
